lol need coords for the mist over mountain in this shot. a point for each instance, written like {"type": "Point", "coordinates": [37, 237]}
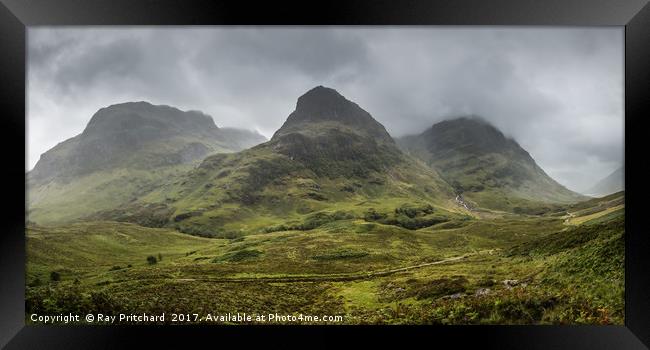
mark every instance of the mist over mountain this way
{"type": "Point", "coordinates": [139, 135]}
{"type": "Point", "coordinates": [612, 183]}
{"type": "Point", "coordinates": [125, 151]}
{"type": "Point", "coordinates": [484, 165]}
{"type": "Point", "coordinates": [159, 166]}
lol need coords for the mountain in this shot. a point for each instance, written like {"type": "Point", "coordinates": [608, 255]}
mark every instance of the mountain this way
{"type": "Point", "coordinates": [139, 135]}
{"type": "Point", "coordinates": [487, 168]}
{"type": "Point", "coordinates": [324, 108]}
{"type": "Point", "coordinates": [614, 182]}
{"type": "Point", "coordinates": [124, 151]}
{"type": "Point", "coordinates": [330, 160]}
{"type": "Point", "coordinates": [333, 136]}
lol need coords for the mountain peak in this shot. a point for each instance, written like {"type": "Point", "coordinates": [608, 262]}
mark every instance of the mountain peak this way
{"type": "Point", "coordinates": [472, 133]}
{"type": "Point", "coordinates": [319, 99]}
{"type": "Point", "coordinates": [328, 109]}
{"type": "Point", "coordinates": [481, 162]}
{"type": "Point", "coordinates": [333, 136]}
{"type": "Point", "coordinates": [144, 114]}
{"type": "Point", "coordinates": [467, 122]}
{"type": "Point", "coordinates": [139, 135]}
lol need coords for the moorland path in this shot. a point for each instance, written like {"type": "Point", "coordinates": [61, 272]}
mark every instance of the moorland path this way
{"type": "Point", "coordinates": [330, 278]}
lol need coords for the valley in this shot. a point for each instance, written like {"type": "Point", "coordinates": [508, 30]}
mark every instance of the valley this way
{"type": "Point", "coordinates": [379, 276]}
{"type": "Point", "coordinates": [331, 216]}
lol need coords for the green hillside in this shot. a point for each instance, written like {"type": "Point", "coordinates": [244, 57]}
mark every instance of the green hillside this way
{"type": "Point", "coordinates": [519, 270]}
{"type": "Point", "coordinates": [488, 169]}
{"type": "Point", "coordinates": [125, 151]}
{"type": "Point", "coordinates": [322, 165]}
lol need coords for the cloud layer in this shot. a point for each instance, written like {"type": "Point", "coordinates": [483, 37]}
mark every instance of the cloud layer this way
{"type": "Point", "coordinates": [557, 91]}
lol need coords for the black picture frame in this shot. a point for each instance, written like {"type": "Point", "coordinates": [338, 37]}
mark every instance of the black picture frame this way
{"type": "Point", "coordinates": [16, 15]}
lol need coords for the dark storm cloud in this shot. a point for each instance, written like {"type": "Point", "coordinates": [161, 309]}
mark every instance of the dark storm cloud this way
{"type": "Point", "coordinates": [315, 53]}
{"type": "Point", "coordinates": [120, 58]}
{"type": "Point", "coordinates": [557, 91]}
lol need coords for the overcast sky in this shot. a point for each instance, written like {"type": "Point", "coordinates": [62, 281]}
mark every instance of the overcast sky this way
{"type": "Point", "coordinates": [556, 91]}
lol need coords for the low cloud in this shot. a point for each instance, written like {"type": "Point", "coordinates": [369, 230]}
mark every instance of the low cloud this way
{"type": "Point", "coordinates": [557, 91]}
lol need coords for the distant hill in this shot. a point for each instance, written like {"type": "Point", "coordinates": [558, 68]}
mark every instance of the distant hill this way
{"type": "Point", "coordinates": [487, 168]}
{"type": "Point", "coordinates": [330, 160]}
{"type": "Point", "coordinates": [613, 183]}
{"type": "Point", "coordinates": [124, 151]}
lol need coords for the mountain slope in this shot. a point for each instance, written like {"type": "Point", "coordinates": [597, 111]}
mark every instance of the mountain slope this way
{"type": "Point", "coordinates": [333, 136]}
{"type": "Point", "coordinates": [486, 167]}
{"type": "Point", "coordinates": [125, 151]}
{"type": "Point", "coordinates": [614, 182]}
{"type": "Point", "coordinates": [330, 160]}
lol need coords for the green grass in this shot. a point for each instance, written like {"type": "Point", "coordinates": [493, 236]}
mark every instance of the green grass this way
{"type": "Point", "coordinates": [562, 275]}
{"type": "Point", "coordinates": [595, 215]}
{"type": "Point", "coordinates": [58, 203]}
{"type": "Point", "coordinates": [239, 255]}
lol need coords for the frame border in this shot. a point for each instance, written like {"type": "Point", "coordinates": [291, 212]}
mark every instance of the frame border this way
{"type": "Point", "coordinates": [16, 15]}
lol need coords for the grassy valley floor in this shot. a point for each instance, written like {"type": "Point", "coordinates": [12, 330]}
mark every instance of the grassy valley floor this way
{"type": "Point", "coordinates": [510, 269]}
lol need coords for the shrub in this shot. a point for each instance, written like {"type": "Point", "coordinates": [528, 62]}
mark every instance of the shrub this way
{"type": "Point", "coordinates": [100, 302]}
{"type": "Point", "coordinates": [184, 216]}
{"type": "Point", "coordinates": [208, 233]}
{"type": "Point", "coordinates": [440, 287]}
{"type": "Point", "coordinates": [413, 211]}
{"type": "Point", "coordinates": [151, 259]}
{"type": "Point", "coordinates": [55, 276]}
{"type": "Point", "coordinates": [320, 219]}
{"type": "Point", "coordinates": [312, 221]}
{"type": "Point", "coordinates": [276, 228]}
{"type": "Point", "coordinates": [486, 281]}
{"type": "Point", "coordinates": [316, 196]}
{"type": "Point", "coordinates": [407, 216]}
{"type": "Point", "coordinates": [70, 299]}
{"type": "Point", "coordinates": [413, 223]}
{"type": "Point", "coordinates": [372, 215]}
